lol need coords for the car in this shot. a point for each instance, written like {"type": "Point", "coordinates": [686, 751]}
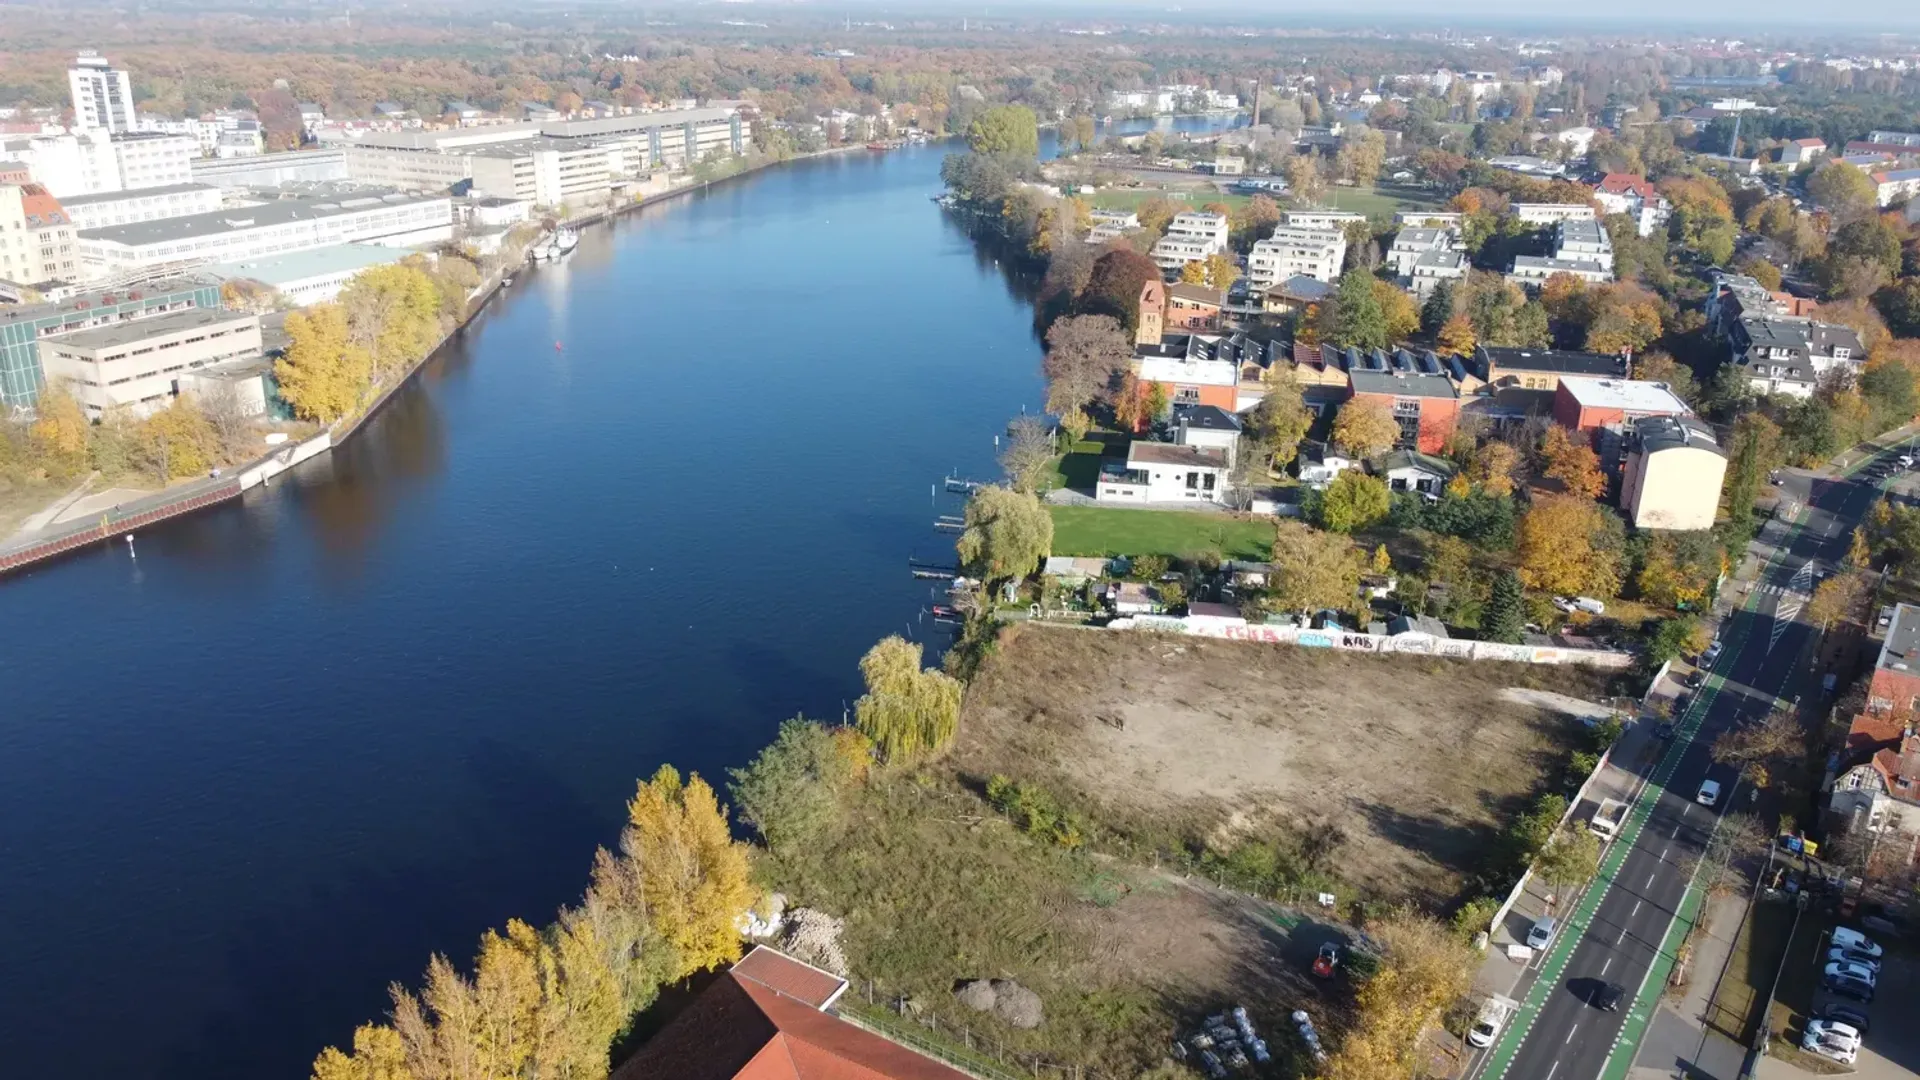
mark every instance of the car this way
{"type": "Point", "coordinates": [1541, 934]}
{"type": "Point", "coordinates": [1851, 956]}
{"type": "Point", "coordinates": [1819, 1030]}
{"type": "Point", "coordinates": [1851, 989]}
{"type": "Point", "coordinates": [1712, 654]}
{"type": "Point", "coordinates": [1840, 969]}
{"type": "Point", "coordinates": [1709, 793]}
{"type": "Point", "coordinates": [1326, 960]}
{"type": "Point", "coordinates": [1905, 461]}
{"type": "Point", "coordinates": [1493, 1016]}
{"type": "Point", "coordinates": [1663, 731]}
{"type": "Point", "coordinates": [1848, 1015]}
{"type": "Point", "coordinates": [1607, 996]}
{"type": "Point", "coordinates": [1848, 938]}
{"type": "Point", "coordinates": [1842, 1052]}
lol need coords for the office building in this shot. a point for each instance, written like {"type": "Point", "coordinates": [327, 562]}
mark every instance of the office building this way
{"type": "Point", "coordinates": [138, 364]}
{"type": "Point", "coordinates": [82, 163]}
{"type": "Point", "coordinates": [36, 237]}
{"type": "Point", "coordinates": [102, 96]}
{"type": "Point", "coordinates": [308, 277]}
{"type": "Point", "coordinates": [1296, 252]}
{"type": "Point", "coordinates": [153, 160]}
{"type": "Point", "coordinates": [144, 204]}
{"type": "Point", "coordinates": [273, 170]}
{"type": "Point", "coordinates": [368, 217]}
{"type": "Point", "coordinates": [23, 326]}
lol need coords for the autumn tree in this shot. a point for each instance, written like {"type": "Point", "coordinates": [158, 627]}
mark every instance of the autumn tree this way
{"type": "Point", "coordinates": [1155, 215]}
{"type": "Point", "coordinates": [1353, 501]}
{"type": "Point", "coordinates": [1560, 548]}
{"type": "Point", "coordinates": [1303, 178]}
{"type": "Point", "coordinates": [1193, 273]}
{"type": "Point", "coordinates": [1493, 466]}
{"type": "Point", "coordinates": [1456, 337]}
{"type": "Point", "coordinates": [908, 711]}
{"type": "Point", "coordinates": [1314, 570]}
{"type": "Point", "coordinates": [1006, 533]}
{"type": "Point", "coordinates": [792, 791]}
{"type": "Point", "coordinates": [1275, 426]}
{"type": "Point", "coordinates": [1570, 858]}
{"type": "Point", "coordinates": [1005, 129]}
{"type": "Point", "coordinates": [1365, 429]}
{"type": "Point", "coordinates": [1843, 189]}
{"type": "Point", "coordinates": [1028, 456]}
{"type": "Point", "coordinates": [1114, 287]}
{"type": "Point", "coordinates": [1575, 465]}
{"type": "Point", "coordinates": [60, 429]}
{"type": "Point", "coordinates": [1838, 597]}
{"type": "Point", "coordinates": [1221, 272]}
{"type": "Point", "coordinates": [696, 877]}
{"type": "Point", "coordinates": [1423, 968]}
{"type": "Point", "coordinates": [1397, 310]}
{"type": "Point", "coordinates": [1656, 365]}
{"type": "Point", "coordinates": [1084, 352]}
{"type": "Point", "coordinates": [322, 373]}
{"type": "Point", "coordinates": [393, 314]}
{"type": "Point", "coordinates": [177, 441]}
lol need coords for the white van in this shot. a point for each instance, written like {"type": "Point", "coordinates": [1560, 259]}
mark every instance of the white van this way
{"type": "Point", "coordinates": [1709, 793]}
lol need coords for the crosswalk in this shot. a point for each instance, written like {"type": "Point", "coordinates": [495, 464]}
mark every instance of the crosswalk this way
{"type": "Point", "coordinates": [1793, 598]}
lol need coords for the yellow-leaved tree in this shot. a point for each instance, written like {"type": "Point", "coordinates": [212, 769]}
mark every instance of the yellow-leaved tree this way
{"type": "Point", "coordinates": [1423, 968]}
{"type": "Point", "coordinates": [323, 373]}
{"type": "Point", "coordinates": [907, 710]}
{"type": "Point", "coordinates": [393, 313]}
{"type": "Point", "coordinates": [60, 426]}
{"type": "Point", "coordinates": [1562, 548]}
{"type": "Point", "coordinates": [1193, 273]}
{"type": "Point", "coordinates": [693, 875]}
{"type": "Point", "coordinates": [378, 1054]}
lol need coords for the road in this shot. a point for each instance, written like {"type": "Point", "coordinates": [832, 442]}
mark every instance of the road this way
{"type": "Point", "coordinates": [1624, 929]}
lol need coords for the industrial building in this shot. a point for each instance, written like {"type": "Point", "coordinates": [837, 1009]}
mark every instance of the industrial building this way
{"type": "Point", "coordinates": [24, 326]}
{"type": "Point", "coordinates": [293, 224]}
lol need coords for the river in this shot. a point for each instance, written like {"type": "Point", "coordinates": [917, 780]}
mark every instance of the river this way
{"type": "Point", "coordinates": [655, 500]}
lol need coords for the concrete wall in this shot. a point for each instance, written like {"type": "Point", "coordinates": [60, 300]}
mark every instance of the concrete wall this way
{"type": "Point", "coordinates": [1417, 644]}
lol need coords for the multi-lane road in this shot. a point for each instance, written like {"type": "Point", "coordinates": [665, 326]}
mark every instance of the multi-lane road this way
{"type": "Point", "coordinates": [1624, 930]}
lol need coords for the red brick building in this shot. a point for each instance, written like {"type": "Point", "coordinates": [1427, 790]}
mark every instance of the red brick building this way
{"type": "Point", "coordinates": [1426, 405]}
{"type": "Point", "coordinates": [1193, 307]}
{"type": "Point", "coordinates": [1153, 313]}
{"type": "Point", "coordinates": [1587, 404]}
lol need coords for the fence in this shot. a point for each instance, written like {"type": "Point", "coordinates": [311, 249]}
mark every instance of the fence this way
{"type": "Point", "coordinates": [960, 1045]}
{"type": "Point", "coordinates": [1418, 644]}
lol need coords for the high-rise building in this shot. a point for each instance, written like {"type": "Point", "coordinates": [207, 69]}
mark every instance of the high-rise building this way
{"type": "Point", "coordinates": [102, 95]}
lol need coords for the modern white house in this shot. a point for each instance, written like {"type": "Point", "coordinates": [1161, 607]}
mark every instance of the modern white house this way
{"type": "Point", "coordinates": [1320, 219]}
{"type": "Point", "coordinates": [1414, 241]}
{"type": "Point", "coordinates": [1552, 213]}
{"type": "Point", "coordinates": [1410, 470]}
{"type": "Point", "coordinates": [1535, 270]}
{"type": "Point", "coordinates": [1191, 236]}
{"type": "Point", "coordinates": [1296, 252]}
{"type": "Point", "coordinates": [1320, 463]}
{"type": "Point", "coordinates": [1157, 472]}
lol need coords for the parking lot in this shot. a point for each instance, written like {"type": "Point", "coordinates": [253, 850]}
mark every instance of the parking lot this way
{"type": "Point", "coordinates": [1891, 1048]}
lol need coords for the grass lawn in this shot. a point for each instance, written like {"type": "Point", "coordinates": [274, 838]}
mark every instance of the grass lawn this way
{"type": "Point", "coordinates": [1079, 466]}
{"type": "Point", "coordinates": [1098, 530]}
{"type": "Point", "coordinates": [1131, 198]}
{"type": "Point", "coordinates": [1383, 200]}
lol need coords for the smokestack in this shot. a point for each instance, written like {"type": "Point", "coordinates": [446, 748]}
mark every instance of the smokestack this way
{"type": "Point", "coordinates": [1257, 80]}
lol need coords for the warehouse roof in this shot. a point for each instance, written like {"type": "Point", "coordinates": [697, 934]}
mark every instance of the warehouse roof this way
{"type": "Point", "coordinates": [135, 193]}
{"type": "Point", "coordinates": [282, 212]}
{"type": "Point", "coordinates": [292, 266]}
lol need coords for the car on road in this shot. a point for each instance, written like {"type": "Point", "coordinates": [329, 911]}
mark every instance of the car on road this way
{"type": "Point", "coordinates": [1841, 969]}
{"type": "Point", "coordinates": [1493, 1016]}
{"type": "Point", "coordinates": [1709, 793]}
{"type": "Point", "coordinates": [1607, 996]}
{"type": "Point", "coordinates": [1848, 938]}
{"type": "Point", "coordinates": [1853, 956]}
{"type": "Point", "coordinates": [1541, 934]}
{"type": "Point", "coordinates": [1851, 989]}
{"type": "Point", "coordinates": [1848, 1015]}
{"type": "Point", "coordinates": [1693, 679]}
{"type": "Point", "coordinates": [1664, 730]}
{"type": "Point", "coordinates": [1905, 461]}
{"type": "Point", "coordinates": [1712, 654]}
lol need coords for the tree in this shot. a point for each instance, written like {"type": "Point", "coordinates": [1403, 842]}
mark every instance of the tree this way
{"type": "Point", "coordinates": [907, 711]}
{"type": "Point", "coordinates": [1361, 154]}
{"type": "Point", "coordinates": [178, 441]}
{"type": "Point", "coordinates": [1758, 750]}
{"type": "Point", "coordinates": [1531, 328]}
{"type": "Point", "coordinates": [1575, 465]}
{"type": "Point", "coordinates": [1155, 214]}
{"type": "Point", "coordinates": [1492, 468]}
{"type": "Point", "coordinates": [1357, 318]}
{"type": "Point", "coordinates": [1005, 129]}
{"type": "Point", "coordinates": [1838, 597]}
{"type": "Point", "coordinates": [1559, 548]}
{"type": "Point", "coordinates": [1084, 352]}
{"type": "Point", "coordinates": [791, 792]}
{"type": "Point", "coordinates": [1760, 270]}
{"type": "Point", "coordinates": [1114, 287]}
{"type": "Point", "coordinates": [1279, 422]}
{"type": "Point", "coordinates": [1565, 297]}
{"type": "Point", "coordinates": [1314, 570]}
{"type": "Point", "coordinates": [60, 427]}
{"type": "Point", "coordinates": [1401, 314]}
{"type": "Point", "coordinates": [1505, 617]}
{"type": "Point", "coordinates": [1005, 535]}
{"type": "Point", "coordinates": [1842, 189]}
{"type": "Point", "coordinates": [1303, 178]}
{"type": "Point", "coordinates": [1221, 272]}
{"type": "Point", "coordinates": [1423, 968]}
{"type": "Point", "coordinates": [1678, 569]}
{"type": "Point", "coordinates": [1154, 402]}
{"type": "Point", "coordinates": [1438, 310]}
{"type": "Point", "coordinates": [1570, 858]}
{"type": "Point", "coordinates": [1456, 337]}
{"type": "Point", "coordinates": [1129, 404]}
{"type": "Point", "coordinates": [1193, 273]}
{"type": "Point", "coordinates": [393, 314]}
{"type": "Point", "coordinates": [696, 880]}
{"type": "Point", "coordinates": [1028, 457]}
{"type": "Point", "coordinates": [1658, 366]}
{"type": "Point", "coordinates": [1675, 638]}
{"type": "Point", "coordinates": [1353, 501]}
{"type": "Point", "coordinates": [322, 374]}
{"type": "Point", "coordinates": [1365, 429]}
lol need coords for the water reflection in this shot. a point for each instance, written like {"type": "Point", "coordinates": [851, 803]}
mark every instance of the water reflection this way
{"type": "Point", "coordinates": [350, 494]}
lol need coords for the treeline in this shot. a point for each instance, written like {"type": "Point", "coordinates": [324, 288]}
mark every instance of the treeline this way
{"type": "Point", "coordinates": [191, 435]}
{"type": "Point", "coordinates": [387, 319]}
{"type": "Point", "coordinates": [551, 1001]}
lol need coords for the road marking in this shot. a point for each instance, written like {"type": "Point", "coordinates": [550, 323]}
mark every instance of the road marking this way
{"type": "Point", "coordinates": [1605, 966]}
{"type": "Point", "coordinates": [1569, 1037]}
{"type": "Point", "coordinates": [1663, 852]}
{"type": "Point", "coordinates": [1649, 883]}
{"type": "Point", "coordinates": [1621, 936]}
{"type": "Point", "coordinates": [1635, 911]}
{"type": "Point", "coordinates": [1550, 1072]}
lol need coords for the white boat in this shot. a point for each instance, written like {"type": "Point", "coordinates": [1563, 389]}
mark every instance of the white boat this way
{"type": "Point", "coordinates": [565, 241]}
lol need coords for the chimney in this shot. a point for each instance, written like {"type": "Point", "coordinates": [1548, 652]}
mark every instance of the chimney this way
{"type": "Point", "coordinates": [1256, 101]}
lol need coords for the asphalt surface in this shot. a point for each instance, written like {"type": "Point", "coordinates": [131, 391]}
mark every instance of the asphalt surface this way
{"type": "Point", "coordinates": [1569, 1039]}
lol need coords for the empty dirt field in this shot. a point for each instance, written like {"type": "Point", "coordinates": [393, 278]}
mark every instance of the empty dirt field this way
{"type": "Point", "coordinates": [1419, 760]}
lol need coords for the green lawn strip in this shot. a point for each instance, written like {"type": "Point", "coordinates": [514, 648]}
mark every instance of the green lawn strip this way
{"type": "Point", "coordinates": [1099, 530]}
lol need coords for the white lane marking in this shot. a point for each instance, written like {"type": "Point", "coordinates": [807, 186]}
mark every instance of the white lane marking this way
{"type": "Point", "coordinates": [1550, 1072]}
{"type": "Point", "coordinates": [1605, 966]}
{"type": "Point", "coordinates": [1636, 909]}
{"type": "Point", "coordinates": [1649, 879]}
{"type": "Point", "coordinates": [1621, 936]}
{"type": "Point", "coordinates": [1663, 852]}
{"type": "Point", "coordinates": [1569, 1037]}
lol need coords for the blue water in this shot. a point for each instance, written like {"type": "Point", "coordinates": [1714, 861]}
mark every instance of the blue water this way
{"type": "Point", "coordinates": [265, 762]}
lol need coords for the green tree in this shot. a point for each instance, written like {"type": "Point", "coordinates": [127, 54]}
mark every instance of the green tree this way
{"type": "Point", "coordinates": [1506, 616]}
{"type": "Point", "coordinates": [907, 711]}
{"type": "Point", "coordinates": [1438, 309]}
{"type": "Point", "coordinates": [1570, 858]}
{"type": "Point", "coordinates": [1005, 535]}
{"type": "Point", "coordinates": [791, 792]}
{"type": "Point", "coordinates": [1005, 129]}
{"type": "Point", "coordinates": [1357, 318]}
{"type": "Point", "coordinates": [1842, 189]}
{"type": "Point", "coordinates": [1280, 421]}
{"type": "Point", "coordinates": [1353, 501]}
{"type": "Point", "coordinates": [1674, 638]}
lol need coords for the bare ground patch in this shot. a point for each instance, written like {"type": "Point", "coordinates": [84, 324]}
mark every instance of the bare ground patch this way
{"type": "Point", "coordinates": [1419, 760]}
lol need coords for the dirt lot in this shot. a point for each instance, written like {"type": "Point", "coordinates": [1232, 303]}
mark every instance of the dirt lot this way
{"type": "Point", "coordinates": [1419, 760]}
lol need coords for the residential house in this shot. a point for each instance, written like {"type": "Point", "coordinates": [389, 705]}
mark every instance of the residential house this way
{"type": "Point", "coordinates": [1414, 241]}
{"type": "Point", "coordinates": [1320, 219]}
{"type": "Point", "coordinates": [1552, 213]}
{"type": "Point", "coordinates": [1534, 270]}
{"type": "Point", "coordinates": [1157, 472]}
{"type": "Point", "coordinates": [1410, 470]}
{"type": "Point", "coordinates": [770, 1017]}
{"type": "Point", "coordinates": [1425, 404]}
{"type": "Point", "coordinates": [1542, 369]}
{"type": "Point", "coordinates": [1131, 598]}
{"type": "Point", "coordinates": [1876, 785]}
{"type": "Point", "coordinates": [1192, 307]}
{"type": "Point", "coordinates": [1191, 236]}
{"type": "Point", "coordinates": [1895, 184]}
{"type": "Point", "coordinates": [1674, 470]}
{"type": "Point", "coordinates": [1434, 267]}
{"type": "Point", "coordinates": [1319, 463]}
{"type": "Point", "coordinates": [1150, 325]}
{"type": "Point", "coordinates": [1802, 151]}
{"type": "Point", "coordinates": [1430, 219]}
{"type": "Point", "coordinates": [1785, 355]}
{"type": "Point", "coordinates": [1527, 165]}
{"type": "Point", "coordinates": [1732, 297]}
{"type": "Point", "coordinates": [1294, 295]}
{"type": "Point", "coordinates": [1907, 139]}
{"type": "Point", "coordinates": [36, 238]}
{"type": "Point", "coordinates": [1207, 426]}
{"type": "Point", "coordinates": [1587, 404]}
{"type": "Point", "coordinates": [1296, 251]}
{"type": "Point", "coordinates": [1227, 165]}
{"type": "Point", "coordinates": [1636, 197]}
{"type": "Point", "coordinates": [1188, 371]}
{"type": "Point", "coordinates": [1581, 247]}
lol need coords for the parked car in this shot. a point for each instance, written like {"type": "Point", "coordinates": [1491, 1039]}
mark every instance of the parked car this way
{"type": "Point", "coordinates": [1709, 793]}
{"type": "Point", "coordinates": [1840, 969]}
{"type": "Point", "coordinates": [1853, 956]}
{"type": "Point", "coordinates": [1842, 1052]}
{"type": "Point", "coordinates": [1832, 1031]}
{"type": "Point", "coordinates": [1541, 934]}
{"type": "Point", "coordinates": [1712, 654]}
{"type": "Point", "coordinates": [1493, 1016]}
{"type": "Point", "coordinates": [1848, 1015]}
{"type": "Point", "coordinates": [1664, 730]}
{"type": "Point", "coordinates": [1851, 989]}
{"type": "Point", "coordinates": [1848, 938]}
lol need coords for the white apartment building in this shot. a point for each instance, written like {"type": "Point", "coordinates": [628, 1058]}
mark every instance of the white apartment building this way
{"type": "Point", "coordinates": [1434, 267]}
{"type": "Point", "coordinates": [102, 96]}
{"type": "Point", "coordinates": [1292, 252]}
{"type": "Point", "coordinates": [1191, 236]}
{"type": "Point", "coordinates": [153, 160]}
{"type": "Point", "coordinates": [1552, 213]}
{"type": "Point", "coordinates": [1320, 219]}
{"type": "Point", "coordinates": [1414, 241]}
{"type": "Point", "coordinates": [36, 237]}
{"type": "Point", "coordinates": [1535, 270]}
{"type": "Point", "coordinates": [371, 217]}
{"type": "Point", "coordinates": [1583, 240]}
{"type": "Point", "coordinates": [1895, 138]}
{"type": "Point", "coordinates": [1624, 193]}
{"type": "Point", "coordinates": [145, 204]}
{"type": "Point", "coordinates": [83, 163]}
{"type": "Point", "coordinates": [139, 364]}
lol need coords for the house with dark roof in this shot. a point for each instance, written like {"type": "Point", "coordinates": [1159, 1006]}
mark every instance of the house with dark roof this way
{"type": "Point", "coordinates": [1786, 355]}
{"type": "Point", "coordinates": [770, 1017]}
{"type": "Point", "coordinates": [1192, 307]}
{"type": "Point", "coordinates": [1876, 781]}
{"type": "Point", "coordinates": [1295, 295]}
{"type": "Point", "coordinates": [1411, 470]}
{"type": "Point", "coordinates": [1425, 404]}
{"type": "Point", "coordinates": [1542, 369]}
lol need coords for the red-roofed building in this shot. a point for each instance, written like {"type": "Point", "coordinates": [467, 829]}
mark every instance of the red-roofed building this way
{"type": "Point", "coordinates": [1801, 151]}
{"type": "Point", "coordinates": [14, 172]}
{"type": "Point", "coordinates": [1876, 786]}
{"type": "Point", "coordinates": [765, 1020]}
{"type": "Point", "coordinates": [1634, 196]}
{"type": "Point", "coordinates": [36, 237]}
